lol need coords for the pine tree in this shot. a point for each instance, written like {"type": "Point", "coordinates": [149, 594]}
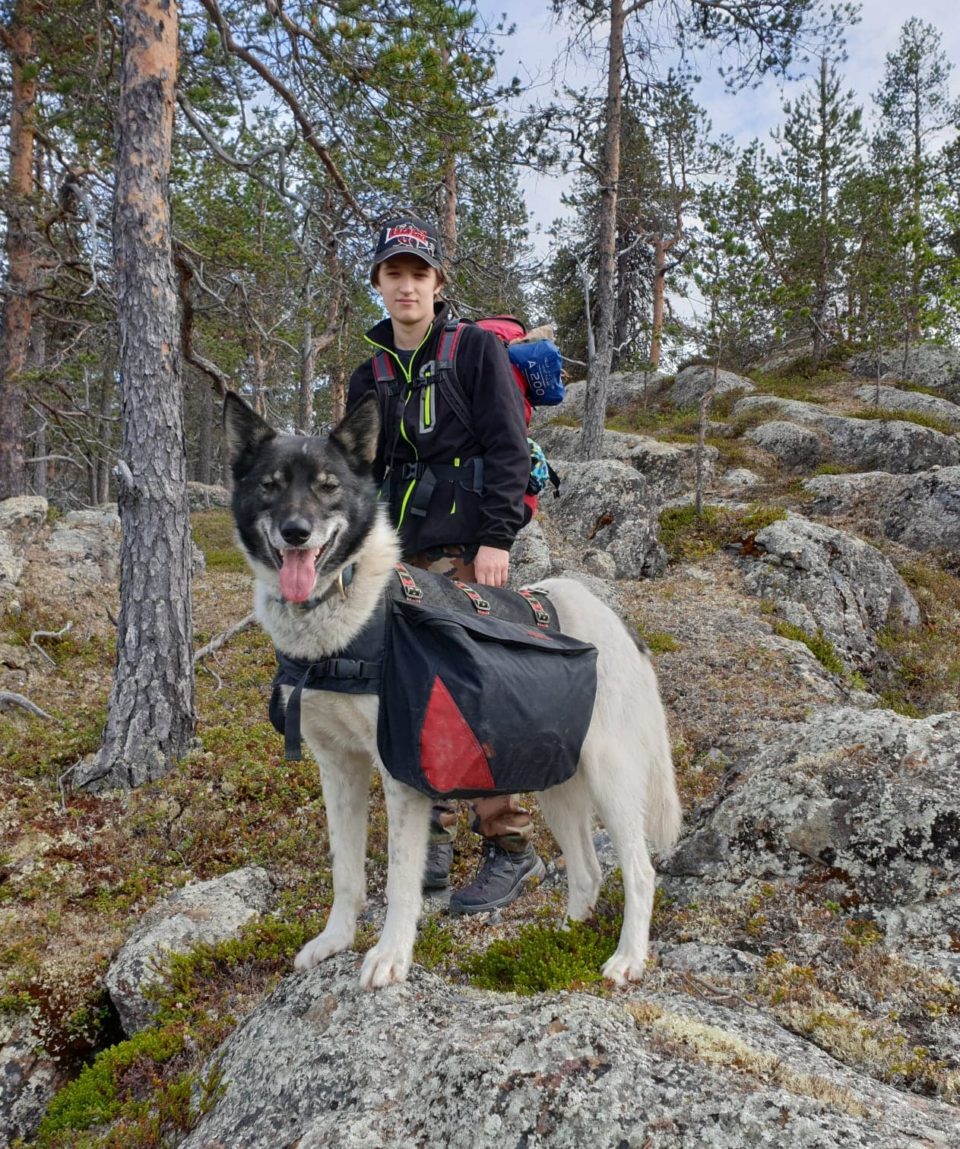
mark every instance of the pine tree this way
{"type": "Point", "coordinates": [915, 105]}
{"type": "Point", "coordinates": [150, 719]}
{"type": "Point", "coordinates": [806, 234]}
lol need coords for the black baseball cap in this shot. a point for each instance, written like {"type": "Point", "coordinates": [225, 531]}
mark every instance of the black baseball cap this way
{"type": "Point", "coordinates": [408, 235]}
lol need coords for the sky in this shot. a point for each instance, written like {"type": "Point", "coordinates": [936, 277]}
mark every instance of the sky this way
{"type": "Point", "coordinates": [537, 45]}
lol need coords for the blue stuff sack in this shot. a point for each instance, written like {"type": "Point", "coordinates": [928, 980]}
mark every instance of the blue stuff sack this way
{"type": "Point", "coordinates": [541, 366]}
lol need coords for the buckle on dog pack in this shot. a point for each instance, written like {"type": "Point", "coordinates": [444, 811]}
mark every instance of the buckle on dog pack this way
{"type": "Point", "coordinates": [411, 592]}
{"type": "Point", "coordinates": [480, 604]}
{"type": "Point", "coordinates": [539, 614]}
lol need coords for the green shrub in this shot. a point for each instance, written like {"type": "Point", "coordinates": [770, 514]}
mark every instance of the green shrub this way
{"type": "Point", "coordinates": [818, 644]}
{"type": "Point", "coordinates": [541, 959]}
{"type": "Point", "coordinates": [94, 1098]}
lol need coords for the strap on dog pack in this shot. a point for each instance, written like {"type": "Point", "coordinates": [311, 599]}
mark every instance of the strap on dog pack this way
{"type": "Point", "coordinates": [345, 675]}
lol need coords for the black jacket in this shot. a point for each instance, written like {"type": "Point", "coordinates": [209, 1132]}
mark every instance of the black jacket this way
{"type": "Point", "coordinates": [422, 441]}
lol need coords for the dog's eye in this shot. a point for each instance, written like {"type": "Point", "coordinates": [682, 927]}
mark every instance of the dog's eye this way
{"type": "Point", "coordinates": [325, 483]}
{"type": "Point", "coordinates": [270, 484]}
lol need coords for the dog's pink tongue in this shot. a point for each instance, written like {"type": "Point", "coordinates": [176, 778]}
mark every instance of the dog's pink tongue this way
{"type": "Point", "coordinates": [298, 574]}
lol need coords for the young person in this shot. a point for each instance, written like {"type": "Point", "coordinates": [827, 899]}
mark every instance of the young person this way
{"type": "Point", "coordinates": [455, 490]}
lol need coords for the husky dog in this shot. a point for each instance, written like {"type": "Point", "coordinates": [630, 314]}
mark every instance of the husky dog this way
{"type": "Point", "coordinates": [306, 511]}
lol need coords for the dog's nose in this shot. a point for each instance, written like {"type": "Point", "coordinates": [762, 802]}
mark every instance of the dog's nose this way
{"type": "Point", "coordinates": [295, 531]}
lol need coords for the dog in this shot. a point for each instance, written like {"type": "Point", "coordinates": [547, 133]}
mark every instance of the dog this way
{"type": "Point", "coordinates": [306, 509]}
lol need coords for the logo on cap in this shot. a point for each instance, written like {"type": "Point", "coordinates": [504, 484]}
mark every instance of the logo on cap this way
{"type": "Point", "coordinates": [409, 236]}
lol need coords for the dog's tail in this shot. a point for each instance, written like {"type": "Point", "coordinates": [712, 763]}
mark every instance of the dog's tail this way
{"type": "Point", "coordinates": [664, 815]}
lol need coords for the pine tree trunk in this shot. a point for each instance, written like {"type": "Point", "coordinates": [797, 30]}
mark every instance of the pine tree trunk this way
{"type": "Point", "coordinates": [659, 301]}
{"type": "Point", "coordinates": [36, 361]}
{"type": "Point", "coordinates": [205, 435]}
{"type": "Point", "coordinates": [308, 365]}
{"type": "Point", "coordinates": [150, 720]}
{"type": "Point", "coordinates": [105, 430]}
{"type": "Point", "coordinates": [20, 254]}
{"type": "Point", "coordinates": [595, 406]}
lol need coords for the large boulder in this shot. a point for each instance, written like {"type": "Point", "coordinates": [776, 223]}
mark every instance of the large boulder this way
{"type": "Point", "coordinates": [11, 564]}
{"type": "Point", "coordinates": [796, 448]}
{"type": "Point", "coordinates": [867, 444]}
{"type": "Point", "coordinates": [530, 558]}
{"type": "Point", "coordinates": [821, 579]}
{"type": "Point", "coordinates": [927, 364]}
{"type": "Point", "coordinates": [200, 912]}
{"type": "Point", "coordinates": [669, 468]}
{"type": "Point", "coordinates": [896, 399]}
{"type": "Point", "coordinates": [204, 496]}
{"type": "Point", "coordinates": [23, 516]}
{"type": "Point", "coordinates": [86, 545]}
{"type": "Point", "coordinates": [323, 1063]}
{"type": "Point", "coordinates": [869, 796]}
{"type": "Point", "coordinates": [21, 520]}
{"type": "Point", "coordinates": [608, 506]}
{"type": "Point", "coordinates": [692, 383]}
{"type": "Point", "coordinates": [29, 1078]}
{"type": "Point", "coordinates": [921, 511]}
{"type": "Point", "coordinates": [623, 388]}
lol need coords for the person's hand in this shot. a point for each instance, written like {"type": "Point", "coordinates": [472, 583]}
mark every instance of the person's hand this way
{"type": "Point", "coordinates": [491, 566]}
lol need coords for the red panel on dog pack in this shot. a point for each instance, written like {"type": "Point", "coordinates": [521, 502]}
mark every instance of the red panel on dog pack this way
{"type": "Point", "coordinates": [450, 755]}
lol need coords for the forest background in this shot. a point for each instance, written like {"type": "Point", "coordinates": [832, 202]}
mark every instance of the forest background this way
{"type": "Point", "coordinates": [192, 190]}
{"type": "Point", "coordinates": [849, 197]}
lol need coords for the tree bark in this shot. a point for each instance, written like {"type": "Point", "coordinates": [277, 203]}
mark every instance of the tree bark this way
{"type": "Point", "coordinates": [150, 720]}
{"type": "Point", "coordinates": [20, 251]}
{"type": "Point", "coordinates": [36, 361]}
{"type": "Point", "coordinates": [314, 345]}
{"type": "Point", "coordinates": [448, 195]}
{"type": "Point", "coordinates": [659, 299]}
{"type": "Point", "coordinates": [595, 406]}
{"type": "Point", "coordinates": [205, 436]}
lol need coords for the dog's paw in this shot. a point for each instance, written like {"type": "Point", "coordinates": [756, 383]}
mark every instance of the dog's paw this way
{"type": "Point", "coordinates": [324, 945]}
{"type": "Point", "coordinates": [384, 966]}
{"type": "Point", "coordinates": [622, 968]}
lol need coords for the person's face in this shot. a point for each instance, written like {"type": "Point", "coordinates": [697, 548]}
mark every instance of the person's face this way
{"type": "Point", "coordinates": [408, 287]}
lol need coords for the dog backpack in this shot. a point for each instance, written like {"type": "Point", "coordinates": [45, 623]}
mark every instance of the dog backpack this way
{"type": "Point", "coordinates": [538, 372]}
{"type": "Point", "coordinates": [480, 693]}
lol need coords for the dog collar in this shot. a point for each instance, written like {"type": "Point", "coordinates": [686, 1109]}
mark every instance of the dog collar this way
{"type": "Point", "coordinates": [338, 586]}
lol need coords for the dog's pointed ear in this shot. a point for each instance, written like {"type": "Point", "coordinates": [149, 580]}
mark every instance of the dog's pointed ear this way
{"type": "Point", "coordinates": [358, 431]}
{"type": "Point", "coordinates": [243, 428]}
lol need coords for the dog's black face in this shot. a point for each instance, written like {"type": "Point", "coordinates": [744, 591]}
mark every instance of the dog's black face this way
{"type": "Point", "coordinates": [302, 504]}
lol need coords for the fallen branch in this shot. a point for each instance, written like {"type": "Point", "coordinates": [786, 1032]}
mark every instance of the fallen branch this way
{"type": "Point", "coordinates": [222, 639]}
{"type": "Point", "coordinates": [48, 634]}
{"type": "Point", "coordinates": [19, 700]}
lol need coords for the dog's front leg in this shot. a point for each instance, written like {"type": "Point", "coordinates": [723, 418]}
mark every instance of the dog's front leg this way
{"type": "Point", "coordinates": [408, 823]}
{"type": "Point", "coordinates": [346, 789]}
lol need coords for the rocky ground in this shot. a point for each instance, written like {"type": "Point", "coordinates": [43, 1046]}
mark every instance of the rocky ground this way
{"type": "Point", "coordinates": [804, 985]}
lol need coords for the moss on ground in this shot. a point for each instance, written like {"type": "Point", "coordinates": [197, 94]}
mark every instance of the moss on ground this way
{"type": "Point", "coordinates": [689, 536]}
{"type": "Point", "coordinates": [896, 414]}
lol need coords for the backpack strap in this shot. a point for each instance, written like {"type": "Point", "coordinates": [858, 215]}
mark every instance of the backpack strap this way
{"type": "Point", "coordinates": [383, 368]}
{"type": "Point", "coordinates": [408, 584]}
{"type": "Point", "coordinates": [446, 369]}
{"type": "Point", "coordinates": [540, 614]}
{"type": "Point", "coordinates": [480, 604]}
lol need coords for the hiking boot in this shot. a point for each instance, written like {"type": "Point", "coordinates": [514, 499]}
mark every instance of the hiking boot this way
{"type": "Point", "coordinates": [500, 880]}
{"type": "Point", "coordinates": [436, 876]}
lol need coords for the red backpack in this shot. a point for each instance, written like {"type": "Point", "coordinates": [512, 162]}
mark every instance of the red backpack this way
{"type": "Point", "coordinates": [506, 328]}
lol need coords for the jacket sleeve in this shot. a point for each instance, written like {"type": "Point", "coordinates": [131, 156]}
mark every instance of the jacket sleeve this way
{"type": "Point", "coordinates": [500, 429]}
